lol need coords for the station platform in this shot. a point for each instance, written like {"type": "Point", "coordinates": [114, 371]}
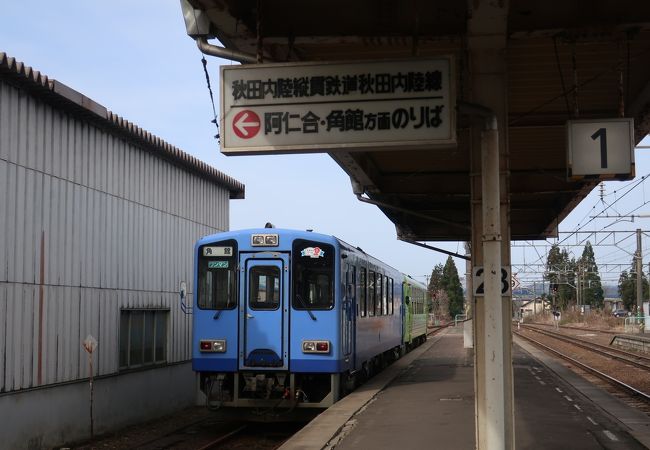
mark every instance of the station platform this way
{"type": "Point", "coordinates": [426, 400]}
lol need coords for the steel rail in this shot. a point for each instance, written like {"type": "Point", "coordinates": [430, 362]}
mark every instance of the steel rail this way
{"type": "Point", "coordinates": [613, 381]}
{"type": "Point", "coordinates": [615, 353]}
{"type": "Point", "coordinates": [568, 327]}
{"type": "Point", "coordinates": [589, 329]}
{"type": "Point", "coordinates": [222, 439]}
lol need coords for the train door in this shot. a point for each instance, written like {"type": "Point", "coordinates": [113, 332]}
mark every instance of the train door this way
{"type": "Point", "coordinates": [407, 310]}
{"type": "Point", "coordinates": [263, 312]}
{"type": "Point", "coordinates": [349, 312]}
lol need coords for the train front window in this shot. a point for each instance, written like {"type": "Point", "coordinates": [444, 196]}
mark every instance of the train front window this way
{"type": "Point", "coordinates": [264, 287]}
{"type": "Point", "coordinates": [313, 275]}
{"type": "Point", "coordinates": [218, 276]}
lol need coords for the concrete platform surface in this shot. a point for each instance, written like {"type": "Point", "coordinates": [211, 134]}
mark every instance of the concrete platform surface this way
{"type": "Point", "coordinates": [426, 401]}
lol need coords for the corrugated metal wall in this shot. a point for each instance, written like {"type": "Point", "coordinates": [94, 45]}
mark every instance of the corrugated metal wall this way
{"type": "Point", "coordinates": [117, 227]}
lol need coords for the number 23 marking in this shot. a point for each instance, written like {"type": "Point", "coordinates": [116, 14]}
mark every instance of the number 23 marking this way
{"type": "Point", "coordinates": [504, 282]}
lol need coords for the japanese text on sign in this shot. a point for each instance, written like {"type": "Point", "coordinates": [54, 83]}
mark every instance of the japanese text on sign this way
{"type": "Point", "coordinates": [321, 107]}
{"type": "Point", "coordinates": [364, 84]}
{"type": "Point", "coordinates": [353, 120]}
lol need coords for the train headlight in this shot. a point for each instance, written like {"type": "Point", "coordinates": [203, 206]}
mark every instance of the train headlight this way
{"type": "Point", "coordinates": [315, 346]}
{"type": "Point", "coordinates": [213, 346]}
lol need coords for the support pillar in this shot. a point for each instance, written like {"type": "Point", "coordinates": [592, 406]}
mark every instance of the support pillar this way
{"type": "Point", "coordinates": [494, 404]}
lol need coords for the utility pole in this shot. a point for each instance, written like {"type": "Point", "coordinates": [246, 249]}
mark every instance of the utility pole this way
{"type": "Point", "coordinates": [578, 281]}
{"type": "Point", "coordinates": [639, 272]}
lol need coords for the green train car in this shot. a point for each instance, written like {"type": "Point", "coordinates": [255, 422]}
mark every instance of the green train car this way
{"type": "Point", "coordinates": [416, 312]}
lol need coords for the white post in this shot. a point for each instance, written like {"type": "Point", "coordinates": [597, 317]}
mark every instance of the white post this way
{"type": "Point", "coordinates": [493, 332]}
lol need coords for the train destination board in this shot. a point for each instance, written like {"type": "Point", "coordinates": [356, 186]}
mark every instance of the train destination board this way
{"type": "Point", "coordinates": [322, 107]}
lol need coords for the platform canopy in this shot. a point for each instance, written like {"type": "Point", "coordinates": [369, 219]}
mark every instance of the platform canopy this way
{"type": "Point", "coordinates": [565, 60]}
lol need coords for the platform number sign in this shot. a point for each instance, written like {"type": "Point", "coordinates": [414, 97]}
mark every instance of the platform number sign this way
{"type": "Point", "coordinates": [602, 149]}
{"type": "Point", "coordinates": [478, 277]}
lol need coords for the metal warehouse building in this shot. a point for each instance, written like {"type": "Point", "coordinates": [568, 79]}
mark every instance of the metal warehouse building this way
{"type": "Point", "coordinates": [97, 224]}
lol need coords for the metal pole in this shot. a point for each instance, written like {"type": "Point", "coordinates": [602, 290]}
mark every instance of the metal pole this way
{"type": "Point", "coordinates": [639, 273]}
{"type": "Point", "coordinates": [493, 332]}
{"type": "Point", "coordinates": [469, 287]}
{"type": "Point", "coordinates": [578, 292]}
{"type": "Point", "coordinates": [90, 382]}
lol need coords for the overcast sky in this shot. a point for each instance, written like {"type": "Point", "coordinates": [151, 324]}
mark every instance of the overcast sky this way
{"type": "Point", "coordinates": [135, 58]}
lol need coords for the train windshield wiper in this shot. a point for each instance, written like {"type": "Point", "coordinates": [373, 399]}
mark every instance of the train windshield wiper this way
{"type": "Point", "coordinates": [304, 305]}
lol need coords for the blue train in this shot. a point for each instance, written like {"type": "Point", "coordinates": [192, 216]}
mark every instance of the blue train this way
{"type": "Point", "coordinates": [287, 319]}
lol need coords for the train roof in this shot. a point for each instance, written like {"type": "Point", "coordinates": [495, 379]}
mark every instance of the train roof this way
{"type": "Point", "coordinates": [414, 282]}
{"type": "Point", "coordinates": [298, 234]}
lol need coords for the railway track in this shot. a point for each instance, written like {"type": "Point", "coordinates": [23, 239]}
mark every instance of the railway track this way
{"type": "Point", "coordinates": [635, 359]}
{"type": "Point", "coordinates": [633, 396]}
{"type": "Point", "coordinates": [195, 430]}
{"type": "Point", "coordinates": [596, 330]}
{"type": "Point", "coordinates": [254, 436]}
{"type": "Point", "coordinates": [223, 439]}
{"type": "Point", "coordinates": [569, 327]}
{"type": "Point", "coordinates": [204, 434]}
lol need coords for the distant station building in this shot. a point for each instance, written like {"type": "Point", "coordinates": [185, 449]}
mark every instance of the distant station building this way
{"type": "Point", "coordinates": [98, 219]}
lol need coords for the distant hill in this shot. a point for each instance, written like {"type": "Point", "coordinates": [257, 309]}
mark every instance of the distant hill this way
{"type": "Point", "coordinates": [530, 291]}
{"type": "Point", "coordinates": [610, 290]}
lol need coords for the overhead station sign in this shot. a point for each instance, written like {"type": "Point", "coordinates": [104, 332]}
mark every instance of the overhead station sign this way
{"type": "Point", "coordinates": [322, 107]}
{"type": "Point", "coordinates": [600, 149]}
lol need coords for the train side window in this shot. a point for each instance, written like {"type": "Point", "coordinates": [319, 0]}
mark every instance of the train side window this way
{"type": "Point", "coordinates": [389, 296]}
{"type": "Point", "coordinates": [352, 285]}
{"type": "Point", "coordinates": [385, 297]}
{"type": "Point", "coordinates": [378, 293]}
{"type": "Point", "coordinates": [371, 293]}
{"type": "Point", "coordinates": [362, 292]}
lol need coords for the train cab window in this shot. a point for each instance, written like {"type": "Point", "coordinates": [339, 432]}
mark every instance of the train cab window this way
{"type": "Point", "coordinates": [264, 290]}
{"type": "Point", "coordinates": [362, 292]}
{"type": "Point", "coordinates": [217, 276]}
{"type": "Point", "coordinates": [313, 275]}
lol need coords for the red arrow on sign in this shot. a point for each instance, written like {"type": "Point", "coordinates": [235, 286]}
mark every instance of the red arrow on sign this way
{"type": "Point", "coordinates": [246, 124]}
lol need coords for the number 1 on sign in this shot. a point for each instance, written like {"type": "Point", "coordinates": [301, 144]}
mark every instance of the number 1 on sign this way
{"type": "Point", "coordinates": [602, 135]}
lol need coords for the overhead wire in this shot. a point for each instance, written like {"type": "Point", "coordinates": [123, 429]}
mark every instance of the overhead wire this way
{"type": "Point", "coordinates": [613, 67]}
{"type": "Point", "coordinates": [642, 180]}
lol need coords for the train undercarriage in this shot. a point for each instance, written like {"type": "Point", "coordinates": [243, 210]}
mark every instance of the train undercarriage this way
{"type": "Point", "coordinates": [268, 395]}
